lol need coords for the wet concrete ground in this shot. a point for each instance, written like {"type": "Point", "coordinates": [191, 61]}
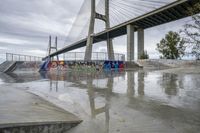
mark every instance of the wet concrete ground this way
{"type": "Point", "coordinates": [19, 108]}
{"type": "Point", "coordinates": [161, 101]}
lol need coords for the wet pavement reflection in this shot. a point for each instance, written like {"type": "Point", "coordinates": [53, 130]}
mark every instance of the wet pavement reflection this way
{"type": "Point", "coordinates": [126, 101]}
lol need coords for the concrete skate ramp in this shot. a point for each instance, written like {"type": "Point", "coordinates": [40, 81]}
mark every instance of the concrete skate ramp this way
{"type": "Point", "coordinates": [21, 111]}
{"type": "Point", "coordinates": [7, 66]}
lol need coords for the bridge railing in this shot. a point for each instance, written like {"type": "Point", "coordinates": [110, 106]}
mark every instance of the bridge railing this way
{"type": "Point", "coordinates": [95, 56]}
{"type": "Point", "coordinates": [20, 57]}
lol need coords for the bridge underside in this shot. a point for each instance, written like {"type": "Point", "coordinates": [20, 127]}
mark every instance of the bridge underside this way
{"type": "Point", "coordinates": [174, 11]}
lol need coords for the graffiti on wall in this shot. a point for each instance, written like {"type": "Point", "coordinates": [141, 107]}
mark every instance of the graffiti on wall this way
{"type": "Point", "coordinates": [82, 65]}
{"type": "Point", "coordinates": [113, 65]}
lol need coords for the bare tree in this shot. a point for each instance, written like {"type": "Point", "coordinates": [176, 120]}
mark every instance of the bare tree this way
{"type": "Point", "coordinates": [191, 31]}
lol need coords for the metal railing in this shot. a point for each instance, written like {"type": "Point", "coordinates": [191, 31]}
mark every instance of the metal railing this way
{"type": "Point", "coordinates": [20, 57]}
{"type": "Point", "coordinates": [95, 56]}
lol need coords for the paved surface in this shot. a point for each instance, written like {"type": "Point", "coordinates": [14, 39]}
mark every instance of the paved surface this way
{"type": "Point", "coordinates": [20, 108]}
{"type": "Point", "coordinates": [161, 101]}
{"type": "Point", "coordinates": [140, 101]}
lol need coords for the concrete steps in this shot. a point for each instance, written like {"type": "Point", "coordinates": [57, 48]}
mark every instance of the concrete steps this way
{"type": "Point", "coordinates": [7, 66]}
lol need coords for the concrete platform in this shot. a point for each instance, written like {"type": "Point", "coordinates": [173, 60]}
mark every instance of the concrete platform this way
{"type": "Point", "coordinates": [21, 111]}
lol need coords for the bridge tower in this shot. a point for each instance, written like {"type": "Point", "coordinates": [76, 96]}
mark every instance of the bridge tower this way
{"type": "Point", "coordinates": [53, 47]}
{"type": "Point", "coordinates": [90, 38]}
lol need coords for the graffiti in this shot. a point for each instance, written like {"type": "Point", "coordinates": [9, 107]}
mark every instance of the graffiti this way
{"type": "Point", "coordinates": [57, 65]}
{"type": "Point", "coordinates": [113, 65]}
{"type": "Point", "coordinates": [82, 66]}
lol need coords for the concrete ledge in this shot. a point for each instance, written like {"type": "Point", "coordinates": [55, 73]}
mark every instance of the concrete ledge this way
{"type": "Point", "coordinates": [53, 127]}
{"type": "Point", "coordinates": [23, 112]}
{"type": "Point", "coordinates": [26, 124]}
{"type": "Point", "coordinates": [168, 63]}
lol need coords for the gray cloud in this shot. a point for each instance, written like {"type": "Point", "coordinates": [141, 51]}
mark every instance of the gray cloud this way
{"type": "Point", "coordinates": [25, 25]}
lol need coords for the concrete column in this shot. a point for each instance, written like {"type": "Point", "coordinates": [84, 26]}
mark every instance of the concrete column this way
{"type": "Point", "coordinates": [130, 42]}
{"type": "Point", "coordinates": [110, 49]}
{"type": "Point", "coordinates": [140, 42]}
{"type": "Point", "coordinates": [88, 51]}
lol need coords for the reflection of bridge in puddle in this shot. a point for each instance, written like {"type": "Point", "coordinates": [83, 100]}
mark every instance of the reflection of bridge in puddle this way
{"type": "Point", "coordinates": [105, 109]}
{"type": "Point", "coordinates": [90, 81]}
{"type": "Point", "coordinates": [113, 94]}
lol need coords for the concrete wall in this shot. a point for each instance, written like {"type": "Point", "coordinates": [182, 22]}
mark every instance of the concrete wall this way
{"type": "Point", "coordinates": [169, 63]}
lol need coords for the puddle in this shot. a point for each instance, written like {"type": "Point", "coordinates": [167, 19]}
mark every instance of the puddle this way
{"type": "Point", "coordinates": [133, 101]}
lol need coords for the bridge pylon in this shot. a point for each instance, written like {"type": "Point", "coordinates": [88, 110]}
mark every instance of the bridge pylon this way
{"type": "Point", "coordinates": [90, 38]}
{"type": "Point", "coordinates": [53, 47]}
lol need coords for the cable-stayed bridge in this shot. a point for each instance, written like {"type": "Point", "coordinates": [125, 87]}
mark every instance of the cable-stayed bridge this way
{"type": "Point", "coordinates": [104, 20]}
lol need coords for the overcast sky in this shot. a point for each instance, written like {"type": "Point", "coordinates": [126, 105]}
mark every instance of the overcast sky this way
{"type": "Point", "coordinates": [26, 24]}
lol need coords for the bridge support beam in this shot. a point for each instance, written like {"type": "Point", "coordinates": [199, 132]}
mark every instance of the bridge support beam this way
{"type": "Point", "coordinates": [130, 42]}
{"type": "Point", "coordinates": [140, 42]}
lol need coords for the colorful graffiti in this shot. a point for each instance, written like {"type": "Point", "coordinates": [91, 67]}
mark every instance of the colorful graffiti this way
{"type": "Point", "coordinates": [113, 65]}
{"type": "Point", "coordinates": [82, 66]}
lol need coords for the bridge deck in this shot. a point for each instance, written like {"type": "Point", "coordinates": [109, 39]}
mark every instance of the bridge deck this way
{"type": "Point", "coordinates": [171, 12]}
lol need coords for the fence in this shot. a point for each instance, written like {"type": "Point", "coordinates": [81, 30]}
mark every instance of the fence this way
{"type": "Point", "coordinates": [20, 57]}
{"type": "Point", "coordinates": [95, 56]}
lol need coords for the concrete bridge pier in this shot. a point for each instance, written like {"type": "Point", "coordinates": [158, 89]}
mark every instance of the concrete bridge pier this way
{"type": "Point", "coordinates": [110, 50]}
{"type": "Point", "coordinates": [140, 42]}
{"type": "Point", "coordinates": [131, 43]}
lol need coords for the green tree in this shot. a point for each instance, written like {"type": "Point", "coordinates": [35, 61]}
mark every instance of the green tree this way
{"type": "Point", "coordinates": [172, 46]}
{"type": "Point", "coordinates": [144, 55]}
{"type": "Point", "coordinates": [191, 31]}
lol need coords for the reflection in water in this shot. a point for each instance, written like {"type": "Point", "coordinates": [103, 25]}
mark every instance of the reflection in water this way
{"type": "Point", "coordinates": [53, 85]}
{"type": "Point", "coordinates": [170, 84]}
{"type": "Point", "coordinates": [105, 109]}
{"type": "Point", "coordinates": [92, 87]}
{"type": "Point", "coordinates": [141, 83]}
{"type": "Point", "coordinates": [19, 77]}
{"type": "Point", "coordinates": [117, 100]}
{"type": "Point", "coordinates": [131, 83]}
